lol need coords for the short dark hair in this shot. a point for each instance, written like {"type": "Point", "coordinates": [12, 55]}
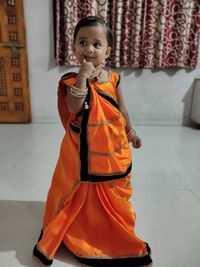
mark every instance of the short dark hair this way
{"type": "Point", "coordinates": [93, 21]}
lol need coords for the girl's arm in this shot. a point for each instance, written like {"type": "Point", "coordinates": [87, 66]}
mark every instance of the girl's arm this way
{"type": "Point", "coordinates": [74, 103]}
{"type": "Point", "coordinates": [86, 71]}
{"type": "Point", "coordinates": [136, 141]}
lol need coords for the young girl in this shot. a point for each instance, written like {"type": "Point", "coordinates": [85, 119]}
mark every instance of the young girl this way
{"type": "Point", "coordinates": [88, 206]}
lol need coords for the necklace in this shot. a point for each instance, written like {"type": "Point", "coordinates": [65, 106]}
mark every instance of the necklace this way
{"type": "Point", "coordinates": [98, 77]}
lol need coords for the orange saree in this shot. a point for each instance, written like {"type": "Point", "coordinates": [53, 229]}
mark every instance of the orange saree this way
{"type": "Point", "coordinates": [88, 206]}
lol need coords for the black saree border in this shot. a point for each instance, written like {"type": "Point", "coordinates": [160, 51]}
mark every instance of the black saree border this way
{"type": "Point", "coordinates": [118, 81]}
{"type": "Point", "coordinates": [109, 99]}
{"type": "Point", "coordinates": [119, 262]}
{"type": "Point", "coordinates": [67, 75]}
{"type": "Point", "coordinates": [83, 140]}
{"type": "Point", "coordinates": [85, 176]}
{"type": "Point", "coordinates": [74, 128]}
{"type": "Point", "coordinates": [38, 255]}
{"type": "Point", "coordinates": [106, 178]}
{"type": "Point", "coordinates": [128, 261]}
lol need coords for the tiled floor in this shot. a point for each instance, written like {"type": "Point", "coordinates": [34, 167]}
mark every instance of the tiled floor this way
{"type": "Point", "coordinates": [166, 192]}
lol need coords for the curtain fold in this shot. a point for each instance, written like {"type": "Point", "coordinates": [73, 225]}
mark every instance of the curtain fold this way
{"type": "Point", "coordinates": [147, 33]}
{"type": "Point", "coordinates": [171, 33]}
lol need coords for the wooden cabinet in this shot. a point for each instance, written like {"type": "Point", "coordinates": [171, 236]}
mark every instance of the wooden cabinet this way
{"type": "Point", "coordinates": [14, 87]}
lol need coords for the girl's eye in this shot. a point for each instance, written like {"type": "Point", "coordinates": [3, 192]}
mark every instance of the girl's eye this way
{"type": "Point", "coordinates": [97, 45]}
{"type": "Point", "coordinates": [82, 43]}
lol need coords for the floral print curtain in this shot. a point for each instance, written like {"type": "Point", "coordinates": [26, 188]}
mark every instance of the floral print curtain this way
{"type": "Point", "coordinates": [147, 33]}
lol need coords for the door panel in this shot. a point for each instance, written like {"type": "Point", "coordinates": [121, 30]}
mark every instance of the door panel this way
{"type": "Point", "coordinates": [14, 89]}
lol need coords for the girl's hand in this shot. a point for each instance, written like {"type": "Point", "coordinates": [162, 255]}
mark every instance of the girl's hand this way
{"type": "Point", "coordinates": [87, 69]}
{"type": "Point", "coordinates": [136, 142]}
{"type": "Point", "coordinates": [98, 70]}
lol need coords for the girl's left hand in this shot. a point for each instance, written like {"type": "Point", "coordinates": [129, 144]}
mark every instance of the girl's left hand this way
{"type": "Point", "coordinates": [136, 142]}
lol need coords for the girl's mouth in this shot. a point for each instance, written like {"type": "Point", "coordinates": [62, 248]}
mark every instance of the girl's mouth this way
{"type": "Point", "coordinates": [88, 58]}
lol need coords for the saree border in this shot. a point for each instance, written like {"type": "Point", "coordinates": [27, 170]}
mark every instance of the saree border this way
{"type": "Point", "coordinates": [40, 255]}
{"type": "Point", "coordinates": [99, 261]}
{"type": "Point", "coordinates": [96, 178]}
{"type": "Point", "coordinates": [108, 98]}
{"type": "Point", "coordinates": [104, 122]}
{"type": "Point", "coordinates": [74, 128]}
{"type": "Point", "coordinates": [129, 261]}
{"type": "Point", "coordinates": [85, 176]}
{"type": "Point", "coordinates": [117, 149]}
{"type": "Point", "coordinates": [68, 75]}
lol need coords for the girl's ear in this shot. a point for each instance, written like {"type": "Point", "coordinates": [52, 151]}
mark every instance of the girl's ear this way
{"type": "Point", "coordinates": [108, 51]}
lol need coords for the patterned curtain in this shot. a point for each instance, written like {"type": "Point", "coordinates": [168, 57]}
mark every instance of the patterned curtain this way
{"type": "Point", "coordinates": [171, 33]}
{"type": "Point", "coordinates": [147, 33]}
{"type": "Point", "coordinates": [67, 13]}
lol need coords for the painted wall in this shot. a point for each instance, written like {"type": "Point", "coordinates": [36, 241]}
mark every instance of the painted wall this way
{"type": "Point", "coordinates": [152, 96]}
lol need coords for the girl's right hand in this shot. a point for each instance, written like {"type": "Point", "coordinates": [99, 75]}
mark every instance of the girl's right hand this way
{"type": "Point", "coordinates": [87, 69]}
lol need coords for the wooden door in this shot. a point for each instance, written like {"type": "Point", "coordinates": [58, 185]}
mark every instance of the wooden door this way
{"type": "Point", "coordinates": [14, 88]}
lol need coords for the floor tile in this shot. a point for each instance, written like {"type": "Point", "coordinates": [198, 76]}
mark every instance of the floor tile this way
{"type": "Point", "coordinates": [165, 181]}
{"type": "Point", "coordinates": [169, 221]}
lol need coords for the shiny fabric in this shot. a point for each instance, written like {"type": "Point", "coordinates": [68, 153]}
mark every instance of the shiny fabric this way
{"type": "Point", "coordinates": [95, 220]}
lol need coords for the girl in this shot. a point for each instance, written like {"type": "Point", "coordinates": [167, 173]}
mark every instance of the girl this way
{"type": "Point", "coordinates": [87, 206]}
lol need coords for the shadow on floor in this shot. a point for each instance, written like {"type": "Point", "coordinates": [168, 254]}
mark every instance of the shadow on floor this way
{"type": "Point", "coordinates": [20, 225]}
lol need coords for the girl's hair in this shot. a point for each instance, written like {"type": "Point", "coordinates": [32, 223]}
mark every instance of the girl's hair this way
{"type": "Point", "coordinates": [93, 21]}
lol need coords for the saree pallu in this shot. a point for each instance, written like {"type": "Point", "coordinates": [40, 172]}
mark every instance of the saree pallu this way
{"type": "Point", "coordinates": [88, 206]}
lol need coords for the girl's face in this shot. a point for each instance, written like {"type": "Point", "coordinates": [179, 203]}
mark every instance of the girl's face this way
{"type": "Point", "coordinates": [91, 43]}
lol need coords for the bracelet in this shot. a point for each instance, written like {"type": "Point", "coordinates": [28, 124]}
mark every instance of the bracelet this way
{"type": "Point", "coordinates": [73, 87]}
{"type": "Point", "coordinates": [77, 92]}
{"type": "Point", "coordinates": [78, 95]}
{"type": "Point", "coordinates": [130, 135]}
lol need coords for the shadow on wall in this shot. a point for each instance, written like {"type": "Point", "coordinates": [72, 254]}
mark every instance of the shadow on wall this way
{"type": "Point", "coordinates": [20, 228]}
{"type": "Point", "coordinates": [139, 71]}
{"type": "Point", "coordinates": [187, 100]}
{"type": "Point", "coordinates": [188, 97]}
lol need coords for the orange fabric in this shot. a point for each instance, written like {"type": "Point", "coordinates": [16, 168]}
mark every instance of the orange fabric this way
{"type": "Point", "coordinates": [92, 219]}
{"type": "Point", "coordinates": [108, 125]}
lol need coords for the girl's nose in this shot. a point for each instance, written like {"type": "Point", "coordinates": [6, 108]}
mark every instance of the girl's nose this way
{"type": "Point", "coordinates": [89, 49]}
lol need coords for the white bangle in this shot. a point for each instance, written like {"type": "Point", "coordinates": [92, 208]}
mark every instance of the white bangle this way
{"type": "Point", "coordinates": [77, 92]}
{"type": "Point", "coordinates": [130, 135]}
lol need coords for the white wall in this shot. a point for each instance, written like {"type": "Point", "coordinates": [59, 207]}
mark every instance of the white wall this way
{"type": "Point", "coordinates": [152, 96]}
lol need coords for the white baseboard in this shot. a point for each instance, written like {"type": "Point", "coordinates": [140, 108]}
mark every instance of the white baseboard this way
{"type": "Point", "coordinates": [46, 120]}
{"type": "Point", "coordinates": [152, 122]}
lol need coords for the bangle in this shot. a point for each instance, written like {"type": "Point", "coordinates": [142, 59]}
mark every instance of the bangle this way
{"type": "Point", "coordinates": [130, 135]}
{"type": "Point", "coordinates": [73, 87]}
{"type": "Point", "coordinates": [77, 92]}
{"type": "Point", "coordinates": [78, 95]}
